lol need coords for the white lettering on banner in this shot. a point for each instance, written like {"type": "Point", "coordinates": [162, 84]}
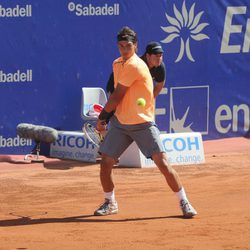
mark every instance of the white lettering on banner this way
{"type": "Point", "coordinates": [14, 142]}
{"type": "Point", "coordinates": [230, 118]}
{"type": "Point", "coordinates": [17, 11]}
{"type": "Point", "coordinates": [90, 10]}
{"type": "Point", "coordinates": [246, 46]}
{"type": "Point", "coordinates": [229, 29]}
{"type": "Point", "coordinates": [16, 77]}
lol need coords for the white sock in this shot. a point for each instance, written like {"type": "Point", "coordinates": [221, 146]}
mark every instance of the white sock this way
{"type": "Point", "coordinates": [182, 194]}
{"type": "Point", "coordinates": [110, 196]}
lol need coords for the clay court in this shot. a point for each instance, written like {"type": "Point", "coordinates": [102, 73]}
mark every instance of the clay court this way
{"type": "Point", "coordinates": [50, 205]}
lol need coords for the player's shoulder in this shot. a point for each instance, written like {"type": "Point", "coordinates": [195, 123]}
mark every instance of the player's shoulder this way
{"type": "Point", "coordinates": [138, 59]}
{"type": "Point", "coordinates": [136, 62]}
{"type": "Point", "coordinates": [118, 60]}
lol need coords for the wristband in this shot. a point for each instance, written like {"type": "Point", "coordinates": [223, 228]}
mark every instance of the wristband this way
{"type": "Point", "coordinates": [104, 115]}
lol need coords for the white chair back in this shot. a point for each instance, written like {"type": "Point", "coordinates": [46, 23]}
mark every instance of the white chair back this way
{"type": "Point", "coordinates": [91, 96]}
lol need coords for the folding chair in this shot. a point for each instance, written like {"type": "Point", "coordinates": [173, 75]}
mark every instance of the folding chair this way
{"type": "Point", "coordinates": [91, 96]}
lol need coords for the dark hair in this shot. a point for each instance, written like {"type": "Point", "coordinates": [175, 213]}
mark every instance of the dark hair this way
{"type": "Point", "coordinates": [127, 34]}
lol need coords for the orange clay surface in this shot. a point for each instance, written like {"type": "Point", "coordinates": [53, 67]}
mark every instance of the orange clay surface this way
{"type": "Point", "coordinates": [50, 205]}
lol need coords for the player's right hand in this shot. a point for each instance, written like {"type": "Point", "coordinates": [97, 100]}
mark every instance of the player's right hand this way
{"type": "Point", "coordinates": [101, 125]}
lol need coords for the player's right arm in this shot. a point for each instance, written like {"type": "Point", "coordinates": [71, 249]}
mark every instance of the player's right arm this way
{"type": "Point", "coordinates": [116, 97]}
{"type": "Point", "coordinates": [111, 105]}
{"type": "Point", "coordinates": [110, 84]}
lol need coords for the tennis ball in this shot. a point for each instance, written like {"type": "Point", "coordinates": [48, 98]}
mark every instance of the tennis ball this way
{"type": "Point", "coordinates": [141, 102]}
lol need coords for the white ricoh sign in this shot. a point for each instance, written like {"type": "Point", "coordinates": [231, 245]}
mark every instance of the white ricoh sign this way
{"type": "Point", "coordinates": [74, 146]}
{"type": "Point", "coordinates": [181, 149]}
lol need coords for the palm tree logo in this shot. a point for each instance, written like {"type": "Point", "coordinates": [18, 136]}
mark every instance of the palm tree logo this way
{"type": "Point", "coordinates": [185, 25]}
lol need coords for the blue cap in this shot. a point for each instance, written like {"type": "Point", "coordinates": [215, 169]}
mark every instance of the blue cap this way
{"type": "Point", "coordinates": [154, 48]}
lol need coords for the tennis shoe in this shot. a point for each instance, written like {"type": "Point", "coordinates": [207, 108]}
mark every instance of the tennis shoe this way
{"type": "Point", "coordinates": [187, 209]}
{"type": "Point", "coordinates": [107, 208]}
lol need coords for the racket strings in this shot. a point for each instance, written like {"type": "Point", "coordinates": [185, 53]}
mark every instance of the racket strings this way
{"type": "Point", "coordinates": [93, 134]}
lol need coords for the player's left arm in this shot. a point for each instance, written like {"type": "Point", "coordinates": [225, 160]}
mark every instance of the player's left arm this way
{"type": "Point", "coordinates": [158, 87]}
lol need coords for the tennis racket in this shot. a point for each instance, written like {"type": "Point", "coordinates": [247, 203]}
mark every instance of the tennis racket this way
{"type": "Point", "coordinates": [92, 134]}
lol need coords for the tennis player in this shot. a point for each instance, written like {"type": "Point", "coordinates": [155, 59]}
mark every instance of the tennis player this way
{"type": "Point", "coordinates": [133, 123]}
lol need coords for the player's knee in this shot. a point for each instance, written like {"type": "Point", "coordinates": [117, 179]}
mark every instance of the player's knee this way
{"type": "Point", "coordinates": [161, 162]}
{"type": "Point", "coordinates": [107, 162]}
{"type": "Point", "coordinates": [160, 159]}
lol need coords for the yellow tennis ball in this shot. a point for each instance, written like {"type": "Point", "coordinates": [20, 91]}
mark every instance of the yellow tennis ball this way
{"type": "Point", "coordinates": [141, 102]}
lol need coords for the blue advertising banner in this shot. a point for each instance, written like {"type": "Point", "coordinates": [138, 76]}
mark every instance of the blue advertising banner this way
{"type": "Point", "coordinates": [51, 49]}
